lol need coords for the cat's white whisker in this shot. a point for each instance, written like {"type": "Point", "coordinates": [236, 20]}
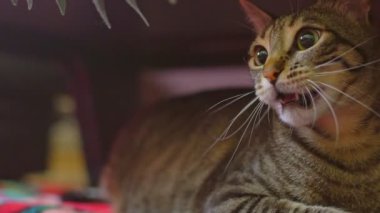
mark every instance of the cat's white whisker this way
{"type": "Point", "coordinates": [169, 161]}
{"type": "Point", "coordinates": [326, 65]}
{"type": "Point", "coordinates": [319, 91]}
{"type": "Point", "coordinates": [350, 97]}
{"type": "Point", "coordinates": [244, 133]}
{"type": "Point", "coordinates": [303, 99]}
{"type": "Point", "coordinates": [257, 115]}
{"type": "Point", "coordinates": [262, 117]}
{"type": "Point", "coordinates": [348, 69]}
{"type": "Point", "coordinates": [345, 52]}
{"type": "Point", "coordinates": [254, 125]}
{"type": "Point", "coordinates": [268, 108]}
{"type": "Point", "coordinates": [238, 144]}
{"type": "Point", "coordinates": [232, 100]}
{"type": "Point", "coordinates": [225, 132]}
{"type": "Point", "coordinates": [313, 106]}
{"type": "Point", "coordinates": [359, 92]}
{"type": "Point", "coordinates": [260, 105]}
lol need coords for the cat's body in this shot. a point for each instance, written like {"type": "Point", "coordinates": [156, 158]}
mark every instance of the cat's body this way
{"type": "Point", "coordinates": [319, 151]}
{"type": "Point", "coordinates": [174, 166]}
{"type": "Point", "coordinates": [174, 172]}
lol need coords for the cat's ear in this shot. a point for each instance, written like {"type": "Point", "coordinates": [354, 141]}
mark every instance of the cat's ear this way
{"type": "Point", "coordinates": [358, 9]}
{"type": "Point", "coordinates": [257, 17]}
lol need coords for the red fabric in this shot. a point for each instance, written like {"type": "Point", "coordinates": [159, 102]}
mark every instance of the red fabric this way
{"type": "Point", "coordinates": [12, 207]}
{"type": "Point", "coordinates": [91, 207]}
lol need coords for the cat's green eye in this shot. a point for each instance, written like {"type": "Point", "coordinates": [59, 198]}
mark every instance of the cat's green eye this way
{"type": "Point", "coordinates": [307, 38]}
{"type": "Point", "coordinates": [261, 55]}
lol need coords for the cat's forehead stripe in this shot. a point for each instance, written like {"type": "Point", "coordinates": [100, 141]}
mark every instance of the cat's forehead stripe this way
{"type": "Point", "coordinates": [292, 19]}
{"type": "Point", "coordinates": [279, 24]}
{"type": "Point", "coordinates": [265, 31]}
{"type": "Point", "coordinates": [311, 19]}
{"type": "Point", "coordinates": [282, 33]}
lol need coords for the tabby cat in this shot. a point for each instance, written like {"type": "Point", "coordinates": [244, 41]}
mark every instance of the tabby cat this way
{"type": "Point", "coordinates": [318, 151]}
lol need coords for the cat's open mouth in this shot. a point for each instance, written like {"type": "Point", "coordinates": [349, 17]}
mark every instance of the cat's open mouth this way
{"type": "Point", "coordinates": [304, 100]}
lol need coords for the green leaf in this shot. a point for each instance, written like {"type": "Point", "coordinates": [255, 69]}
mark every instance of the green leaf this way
{"type": "Point", "coordinates": [62, 6]}
{"type": "Point", "coordinates": [101, 8]}
{"type": "Point", "coordinates": [30, 4]}
{"type": "Point", "coordinates": [14, 2]}
{"type": "Point", "coordinates": [134, 5]}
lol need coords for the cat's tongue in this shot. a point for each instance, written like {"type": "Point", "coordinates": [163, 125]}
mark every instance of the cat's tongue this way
{"type": "Point", "coordinates": [288, 98]}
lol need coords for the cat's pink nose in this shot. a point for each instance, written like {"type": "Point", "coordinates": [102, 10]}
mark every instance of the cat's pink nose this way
{"type": "Point", "coordinates": [271, 75]}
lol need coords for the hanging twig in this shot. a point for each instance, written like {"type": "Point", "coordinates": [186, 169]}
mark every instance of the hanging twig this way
{"type": "Point", "coordinates": [30, 4]}
{"type": "Point", "coordinates": [134, 5]}
{"type": "Point", "coordinates": [62, 6]}
{"type": "Point", "coordinates": [14, 2]}
{"type": "Point", "coordinates": [101, 8]}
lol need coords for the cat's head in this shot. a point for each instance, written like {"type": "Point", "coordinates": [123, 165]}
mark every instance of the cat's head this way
{"type": "Point", "coordinates": [303, 62]}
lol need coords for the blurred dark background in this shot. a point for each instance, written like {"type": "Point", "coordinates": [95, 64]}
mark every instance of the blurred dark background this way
{"type": "Point", "coordinates": [43, 54]}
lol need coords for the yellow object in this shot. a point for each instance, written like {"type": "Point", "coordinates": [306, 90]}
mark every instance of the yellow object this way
{"type": "Point", "coordinates": [66, 166]}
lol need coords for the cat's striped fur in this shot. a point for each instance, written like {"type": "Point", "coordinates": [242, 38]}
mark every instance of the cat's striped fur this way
{"type": "Point", "coordinates": [319, 151]}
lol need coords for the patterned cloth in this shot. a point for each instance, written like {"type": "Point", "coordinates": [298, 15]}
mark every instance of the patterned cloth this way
{"type": "Point", "coordinates": [21, 198]}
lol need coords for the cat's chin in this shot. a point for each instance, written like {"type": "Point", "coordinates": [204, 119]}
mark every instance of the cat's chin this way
{"type": "Point", "coordinates": [294, 115]}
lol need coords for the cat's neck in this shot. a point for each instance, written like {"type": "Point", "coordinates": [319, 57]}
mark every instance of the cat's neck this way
{"type": "Point", "coordinates": [357, 143]}
{"type": "Point", "coordinates": [344, 127]}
